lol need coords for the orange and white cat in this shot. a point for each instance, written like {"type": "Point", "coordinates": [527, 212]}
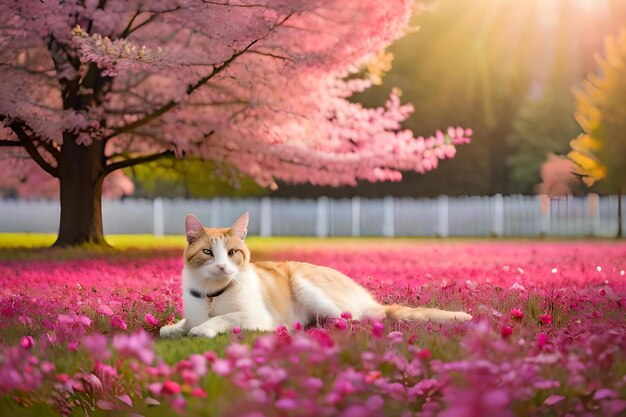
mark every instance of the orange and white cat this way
{"type": "Point", "coordinates": [222, 289]}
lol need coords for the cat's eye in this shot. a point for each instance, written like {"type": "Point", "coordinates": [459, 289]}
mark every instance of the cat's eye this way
{"type": "Point", "coordinates": [232, 252]}
{"type": "Point", "coordinates": [207, 252]}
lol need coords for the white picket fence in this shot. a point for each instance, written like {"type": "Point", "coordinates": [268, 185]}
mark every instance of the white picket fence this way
{"type": "Point", "coordinates": [523, 216]}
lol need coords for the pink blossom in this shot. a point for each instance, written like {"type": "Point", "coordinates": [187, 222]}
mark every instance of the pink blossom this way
{"type": "Point", "coordinates": [542, 339]}
{"type": "Point", "coordinates": [372, 376]}
{"type": "Point", "coordinates": [137, 345]}
{"type": "Point", "coordinates": [377, 329]}
{"type": "Point", "coordinates": [545, 319]}
{"type": "Point", "coordinates": [506, 331]}
{"type": "Point", "coordinates": [262, 134]}
{"type": "Point", "coordinates": [517, 313]}
{"type": "Point", "coordinates": [155, 388]}
{"type": "Point", "coordinates": [221, 367]}
{"type": "Point", "coordinates": [286, 404]}
{"type": "Point", "coordinates": [27, 342]}
{"type": "Point", "coordinates": [282, 331]}
{"type": "Point", "coordinates": [346, 315]}
{"type": "Point", "coordinates": [170, 387]}
{"type": "Point", "coordinates": [189, 377]}
{"type": "Point", "coordinates": [47, 367]}
{"type": "Point", "coordinates": [118, 323]}
{"type": "Point", "coordinates": [198, 392]}
{"type": "Point", "coordinates": [105, 310]}
{"type": "Point", "coordinates": [312, 383]}
{"type": "Point", "coordinates": [395, 337]}
{"type": "Point", "coordinates": [151, 320]}
{"type": "Point", "coordinates": [340, 324]}
{"type": "Point", "coordinates": [553, 399]}
{"type": "Point", "coordinates": [424, 354]}
{"type": "Point", "coordinates": [96, 345]}
{"type": "Point", "coordinates": [178, 403]}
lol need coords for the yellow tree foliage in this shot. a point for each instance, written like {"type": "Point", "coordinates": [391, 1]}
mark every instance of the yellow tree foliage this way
{"type": "Point", "coordinates": [600, 152]}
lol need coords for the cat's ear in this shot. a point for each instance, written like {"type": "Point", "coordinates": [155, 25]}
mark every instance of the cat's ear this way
{"type": "Point", "coordinates": [240, 226]}
{"type": "Point", "coordinates": [193, 228]}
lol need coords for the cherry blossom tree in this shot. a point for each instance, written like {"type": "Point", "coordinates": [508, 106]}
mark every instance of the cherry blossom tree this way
{"type": "Point", "coordinates": [88, 87]}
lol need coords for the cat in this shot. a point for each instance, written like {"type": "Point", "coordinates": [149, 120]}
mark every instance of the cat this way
{"type": "Point", "coordinates": [223, 289]}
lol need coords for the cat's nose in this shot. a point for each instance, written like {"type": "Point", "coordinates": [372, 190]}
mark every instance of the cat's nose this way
{"type": "Point", "coordinates": [221, 266]}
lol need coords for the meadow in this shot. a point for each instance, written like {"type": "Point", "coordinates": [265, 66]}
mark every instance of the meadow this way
{"type": "Point", "coordinates": [79, 333]}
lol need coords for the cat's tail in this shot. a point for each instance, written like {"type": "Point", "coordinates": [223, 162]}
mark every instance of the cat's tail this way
{"type": "Point", "coordinates": [400, 312]}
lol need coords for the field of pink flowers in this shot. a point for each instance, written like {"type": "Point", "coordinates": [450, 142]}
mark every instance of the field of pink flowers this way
{"type": "Point", "coordinates": [548, 338]}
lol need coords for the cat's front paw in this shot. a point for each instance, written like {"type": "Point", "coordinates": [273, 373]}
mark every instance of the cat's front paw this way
{"type": "Point", "coordinates": [172, 331]}
{"type": "Point", "coordinates": [203, 331]}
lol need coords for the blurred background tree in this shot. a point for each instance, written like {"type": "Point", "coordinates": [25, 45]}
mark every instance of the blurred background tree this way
{"type": "Point", "coordinates": [600, 152]}
{"type": "Point", "coordinates": [506, 68]}
{"type": "Point", "coordinates": [191, 178]}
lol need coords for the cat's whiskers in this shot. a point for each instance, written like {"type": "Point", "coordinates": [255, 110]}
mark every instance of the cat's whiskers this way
{"type": "Point", "coordinates": [240, 282]}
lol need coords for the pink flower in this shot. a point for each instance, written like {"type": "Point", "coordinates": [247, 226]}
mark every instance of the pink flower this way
{"type": "Point", "coordinates": [221, 367]}
{"type": "Point", "coordinates": [286, 404]}
{"type": "Point", "coordinates": [282, 331]}
{"type": "Point", "coordinates": [198, 392]}
{"type": "Point", "coordinates": [372, 376]}
{"type": "Point", "coordinates": [178, 403]}
{"type": "Point", "coordinates": [137, 345]}
{"type": "Point", "coordinates": [236, 329]}
{"type": "Point", "coordinates": [545, 319]}
{"type": "Point", "coordinates": [170, 387]}
{"type": "Point", "coordinates": [155, 388]}
{"type": "Point", "coordinates": [395, 337]}
{"type": "Point", "coordinates": [542, 339]}
{"type": "Point", "coordinates": [96, 345]}
{"type": "Point", "coordinates": [62, 377]}
{"type": "Point", "coordinates": [151, 320]}
{"type": "Point", "coordinates": [118, 323]}
{"type": "Point", "coordinates": [237, 351]}
{"type": "Point", "coordinates": [189, 377]}
{"type": "Point", "coordinates": [297, 326]}
{"type": "Point", "coordinates": [506, 331]}
{"type": "Point", "coordinates": [377, 329]}
{"type": "Point", "coordinates": [47, 367]}
{"type": "Point", "coordinates": [105, 310]}
{"type": "Point", "coordinates": [424, 354]}
{"type": "Point", "coordinates": [27, 342]}
{"type": "Point", "coordinates": [346, 315]}
{"type": "Point", "coordinates": [553, 399]}
{"type": "Point", "coordinates": [341, 324]}
{"type": "Point", "coordinates": [312, 384]}
{"type": "Point", "coordinates": [517, 313]}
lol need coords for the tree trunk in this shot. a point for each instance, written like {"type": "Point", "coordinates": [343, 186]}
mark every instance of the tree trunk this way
{"type": "Point", "coordinates": [620, 231]}
{"type": "Point", "coordinates": [81, 175]}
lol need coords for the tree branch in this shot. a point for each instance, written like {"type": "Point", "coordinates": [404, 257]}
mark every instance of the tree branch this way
{"type": "Point", "coordinates": [142, 24]}
{"type": "Point", "coordinates": [155, 114]}
{"type": "Point", "coordinates": [28, 143]}
{"type": "Point", "coordinates": [228, 4]}
{"type": "Point", "coordinates": [135, 161]}
{"type": "Point", "coordinates": [126, 30]}
{"type": "Point", "coordinates": [8, 143]}
{"type": "Point", "coordinates": [50, 148]}
{"type": "Point", "coordinates": [271, 55]}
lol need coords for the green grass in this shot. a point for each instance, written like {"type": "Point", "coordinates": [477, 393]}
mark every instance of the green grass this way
{"type": "Point", "coordinates": [39, 240]}
{"type": "Point", "coordinates": [42, 240]}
